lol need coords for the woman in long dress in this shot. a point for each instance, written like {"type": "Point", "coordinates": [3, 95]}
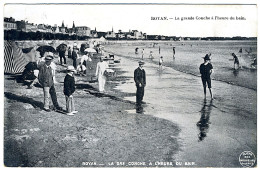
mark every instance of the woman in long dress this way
{"type": "Point", "coordinates": [100, 70]}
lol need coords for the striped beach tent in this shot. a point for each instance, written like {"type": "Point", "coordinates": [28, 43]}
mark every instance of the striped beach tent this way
{"type": "Point", "coordinates": [14, 61]}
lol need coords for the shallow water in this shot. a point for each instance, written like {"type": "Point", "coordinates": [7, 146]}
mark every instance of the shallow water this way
{"type": "Point", "coordinates": [188, 58]}
{"type": "Point", "coordinates": [213, 133]}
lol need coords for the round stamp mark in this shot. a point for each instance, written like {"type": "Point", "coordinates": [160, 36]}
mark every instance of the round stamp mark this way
{"type": "Point", "coordinates": [247, 159]}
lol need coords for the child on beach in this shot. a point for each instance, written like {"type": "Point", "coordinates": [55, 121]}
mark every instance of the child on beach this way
{"type": "Point", "coordinates": [69, 89]}
{"type": "Point", "coordinates": [81, 69]}
{"type": "Point", "coordinates": [151, 55]}
{"type": "Point", "coordinates": [205, 70]}
{"type": "Point", "coordinates": [236, 61]}
{"type": "Point", "coordinates": [160, 63]}
{"type": "Point", "coordinates": [173, 51]}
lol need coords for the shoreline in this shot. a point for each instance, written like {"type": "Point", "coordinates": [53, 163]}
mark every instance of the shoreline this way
{"type": "Point", "coordinates": [190, 73]}
{"type": "Point", "coordinates": [102, 131]}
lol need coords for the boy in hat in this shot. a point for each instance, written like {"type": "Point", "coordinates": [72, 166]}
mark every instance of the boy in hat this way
{"type": "Point", "coordinates": [45, 78]}
{"type": "Point", "coordinates": [69, 89]}
{"type": "Point", "coordinates": [206, 70]}
{"type": "Point", "coordinates": [140, 82]}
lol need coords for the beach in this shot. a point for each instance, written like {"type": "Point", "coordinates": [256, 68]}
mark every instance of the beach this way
{"type": "Point", "coordinates": [109, 129]}
{"type": "Point", "coordinates": [178, 96]}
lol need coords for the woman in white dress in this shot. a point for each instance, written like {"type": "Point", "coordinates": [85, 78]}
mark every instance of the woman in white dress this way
{"type": "Point", "coordinates": [100, 70]}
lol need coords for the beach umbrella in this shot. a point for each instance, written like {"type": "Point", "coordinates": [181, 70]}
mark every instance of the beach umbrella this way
{"type": "Point", "coordinates": [83, 47]}
{"type": "Point", "coordinates": [90, 50]}
{"type": "Point", "coordinates": [61, 47]}
{"type": "Point", "coordinates": [45, 48]}
{"type": "Point", "coordinates": [27, 50]}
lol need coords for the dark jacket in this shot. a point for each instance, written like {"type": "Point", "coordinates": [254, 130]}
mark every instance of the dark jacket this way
{"type": "Point", "coordinates": [139, 77]}
{"type": "Point", "coordinates": [69, 85]}
{"type": "Point", "coordinates": [74, 55]}
{"type": "Point", "coordinates": [205, 70]}
{"type": "Point", "coordinates": [62, 53]}
{"type": "Point", "coordinates": [45, 76]}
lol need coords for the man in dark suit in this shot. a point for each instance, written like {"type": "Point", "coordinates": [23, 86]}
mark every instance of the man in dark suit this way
{"type": "Point", "coordinates": [140, 82]}
{"type": "Point", "coordinates": [74, 57]}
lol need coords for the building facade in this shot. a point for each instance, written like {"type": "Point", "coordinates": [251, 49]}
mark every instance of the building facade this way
{"type": "Point", "coordinates": [10, 24]}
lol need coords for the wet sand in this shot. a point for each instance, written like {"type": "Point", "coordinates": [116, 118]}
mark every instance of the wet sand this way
{"type": "Point", "coordinates": [101, 134]}
{"type": "Point", "coordinates": [176, 124]}
{"type": "Point", "coordinates": [213, 133]}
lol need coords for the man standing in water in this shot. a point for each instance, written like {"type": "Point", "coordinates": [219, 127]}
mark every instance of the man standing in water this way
{"type": "Point", "coordinates": [173, 51]}
{"type": "Point", "coordinates": [140, 82]}
{"type": "Point", "coordinates": [205, 70]}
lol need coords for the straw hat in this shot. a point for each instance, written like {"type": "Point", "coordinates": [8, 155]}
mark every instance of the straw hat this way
{"type": "Point", "coordinates": [141, 62]}
{"type": "Point", "coordinates": [71, 68]}
{"type": "Point", "coordinates": [48, 58]}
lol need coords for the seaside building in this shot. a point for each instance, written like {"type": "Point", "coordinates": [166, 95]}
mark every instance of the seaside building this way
{"type": "Point", "coordinates": [120, 35]}
{"type": "Point", "coordinates": [56, 29]}
{"type": "Point", "coordinates": [9, 24]}
{"type": "Point", "coordinates": [162, 37]}
{"type": "Point", "coordinates": [83, 31]}
{"type": "Point", "coordinates": [94, 33]}
{"type": "Point", "coordinates": [30, 27]}
{"type": "Point", "coordinates": [101, 34]}
{"type": "Point", "coordinates": [80, 31]}
{"type": "Point", "coordinates": [63, 29]}
{"type": "Point", "coordinates": [42, 28]}
{"type": "Point", "coordinates": [136, 34]}
{"type": "Point", "coordinates": [111, 34]}
{"type": "Point", "coordinates": [48, 28]}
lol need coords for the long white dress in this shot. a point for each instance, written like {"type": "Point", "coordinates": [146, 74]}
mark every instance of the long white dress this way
{"type": "Point", "coordinates": [101, 67]}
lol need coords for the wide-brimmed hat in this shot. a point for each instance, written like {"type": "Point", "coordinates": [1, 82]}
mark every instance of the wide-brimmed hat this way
{"type": "Point", "coordinates": [70, 68]}
{"type": "Point", "coordinates": [141, 62]}
{"type": "Point", "coordinates": [206, 57]}
{"type": "Point", "coordinates": [48, 58]}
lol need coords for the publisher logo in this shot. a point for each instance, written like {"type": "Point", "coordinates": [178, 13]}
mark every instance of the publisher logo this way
{"type": "Point", "coordinates": [247, 159]}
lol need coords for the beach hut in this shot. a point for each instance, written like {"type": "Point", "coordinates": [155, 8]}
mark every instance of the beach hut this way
{"type": "Point", "coordinates": [102, 40]}
{"type": "Point", "coordinates": [14, 58]}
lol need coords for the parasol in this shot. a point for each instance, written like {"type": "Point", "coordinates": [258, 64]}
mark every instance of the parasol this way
{"type": "Point", "coordinates": [45, 48]}
{"type": "Point", "coordinates": [90, 50]}
{"type": "Point", "coordinates": [61, 47]}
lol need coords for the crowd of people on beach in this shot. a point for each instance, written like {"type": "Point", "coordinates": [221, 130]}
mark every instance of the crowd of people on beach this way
{"type": "Point", "coordinates": [44, 71]}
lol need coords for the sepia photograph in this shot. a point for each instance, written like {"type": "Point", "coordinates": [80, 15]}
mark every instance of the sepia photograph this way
{"type": "Point", "coordinates": [129, 85]}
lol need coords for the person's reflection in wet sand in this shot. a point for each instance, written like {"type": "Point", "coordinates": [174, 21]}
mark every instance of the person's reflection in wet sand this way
{"type": "Point", "coordinates": [139, 109]}
{"type": "Point", "coordinates": [236, 72]}
{"type": "Point", "coordinates": [203, 123]}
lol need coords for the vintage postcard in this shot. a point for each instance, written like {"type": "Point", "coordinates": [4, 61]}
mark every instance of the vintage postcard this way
{"type": "Point", "coordinates": [144, 85]}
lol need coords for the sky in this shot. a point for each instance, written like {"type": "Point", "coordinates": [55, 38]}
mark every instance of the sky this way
{"type": "Point", "coordinates": [127, 17]}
